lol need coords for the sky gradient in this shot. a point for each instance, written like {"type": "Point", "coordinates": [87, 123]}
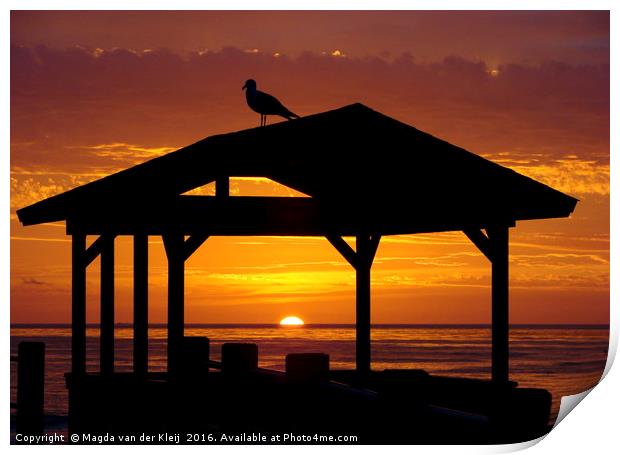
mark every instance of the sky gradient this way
{"type": "Point", "coordinates": [95, 92]}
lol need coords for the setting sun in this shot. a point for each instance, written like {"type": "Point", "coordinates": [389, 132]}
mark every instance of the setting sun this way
{"type": "Point", "coordinates": [291, 320]}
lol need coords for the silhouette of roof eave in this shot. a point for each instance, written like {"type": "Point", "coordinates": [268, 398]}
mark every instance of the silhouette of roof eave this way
{"type": "Point", "coordinates": [122, 183]}
{"type": "Point", "coordinates": [352, 156]}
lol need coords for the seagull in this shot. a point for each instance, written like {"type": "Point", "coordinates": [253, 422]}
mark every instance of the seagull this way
{"type": "Point", "coordinates": [264, 103]}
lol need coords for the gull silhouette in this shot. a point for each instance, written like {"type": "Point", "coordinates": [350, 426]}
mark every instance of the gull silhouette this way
{"type": "Point", "coordinates": [264, 103]}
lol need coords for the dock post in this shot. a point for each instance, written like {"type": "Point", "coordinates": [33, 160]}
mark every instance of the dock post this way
{"type": "Point", "coordinates": [106, 345]}
{"type": "Point", "coordinates": [362, 305]}
{"type": "Point", "coordinates": [498, 237]}
{"type": "Point", "coordinates": [30, 387]}
{"type": "Point", "coordinates": [140, 304]}
{"type": "Point", "coordinates": [195, 352]}
{"type": "Point", "coordinates": [78, 305]}
{"type": "Point", "coordinates": [239, 358]}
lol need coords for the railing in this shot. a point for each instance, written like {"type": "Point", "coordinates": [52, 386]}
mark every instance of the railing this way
{"type": "Point", "coordinates": [30, 361]}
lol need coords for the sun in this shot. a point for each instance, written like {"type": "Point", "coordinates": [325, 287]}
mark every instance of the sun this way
{"type": "Point", "coordinates": [292, 321]}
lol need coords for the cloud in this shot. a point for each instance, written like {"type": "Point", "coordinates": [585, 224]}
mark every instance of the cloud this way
{"type": "Point", "coordinates": [159, 80]}
{"type": "Point", "coordinates": [33, 282]}
{"type": "Point", "coordinates": [459, 259]}
{"type": "Point", "coordinates": [129, 154]}
{"type": "Point", "coordinates": [569, 174]}
{"type": "Point", "coordinates": [39, 239]}
{"type": "Point", "coordinates": [27, 188]}
{"type": "Point", "coordinates": [571, 260]}
{"type": "Point", "coordinates": [531, 36]}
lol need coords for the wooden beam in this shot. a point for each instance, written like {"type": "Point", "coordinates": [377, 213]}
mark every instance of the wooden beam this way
{"type": "Point", "coordinates": [78, 305]}
{"type": "Point", "coordinates": [174, 244]}
{"type": "Point", "coordinates": [93, 251]}
{"type": "Point", "coordinates": [140, 304]}
{"type": "Point", "coordinates": [344, 249]}
{"type": "Point", "coordinates": [481, 241]}
{"type": "Point", "coordinates": [192, 244]}
{"type": "Point", "coordinates": [498, 237]}
{"type": "Point", "coordinates": [106, 344]}
{"type": "Point", "coordinates": [295, 216]}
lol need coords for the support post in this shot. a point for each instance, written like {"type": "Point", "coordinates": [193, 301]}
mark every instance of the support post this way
{"type": "Point", "coordinates": [361, 260]}
{"type": "Point", "coordinates": [78, 305]}
{"type": "Point", "coordinates": [498, 237]}
{"type": "Point", "coordinates": [106, 345]}
{"type": "Point", "coordinates": [174, 244]}
{"type": "Point", "coordinates": [140, 304]}
{"type": "Point", "coordinates": [362, 304]}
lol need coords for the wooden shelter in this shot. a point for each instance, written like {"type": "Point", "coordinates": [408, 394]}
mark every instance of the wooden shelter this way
{"type": "Point", "coordinates": [367, 176]}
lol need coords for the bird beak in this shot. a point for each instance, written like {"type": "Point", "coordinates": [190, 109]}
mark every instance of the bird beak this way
{"type": "Point", "coordinates": [244, 87]}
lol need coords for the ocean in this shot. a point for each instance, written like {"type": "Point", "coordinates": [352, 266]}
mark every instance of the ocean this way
{"type": "Point", "coordinates": [565, 360]}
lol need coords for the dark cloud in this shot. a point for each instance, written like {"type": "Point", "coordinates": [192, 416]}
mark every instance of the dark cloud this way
{"type": "Point", "coordinates": [88, 97]}
{"type": "Point", "coordinates": [33, 282]}
{"type": "Point", "coordinates": [495, 36]}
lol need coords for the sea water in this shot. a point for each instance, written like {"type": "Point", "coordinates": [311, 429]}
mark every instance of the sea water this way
{"type": "Point", "coordinates": [564, 360]}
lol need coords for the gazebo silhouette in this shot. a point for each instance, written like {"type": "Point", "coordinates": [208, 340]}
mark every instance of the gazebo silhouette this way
{"type": "Point", "coordinates": [367, 176]}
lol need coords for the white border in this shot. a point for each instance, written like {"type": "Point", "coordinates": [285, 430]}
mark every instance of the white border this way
{"type": "Point", "coordinates": [591, 428]}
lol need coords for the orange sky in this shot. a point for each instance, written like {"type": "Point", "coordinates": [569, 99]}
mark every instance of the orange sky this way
{"type": "Point", "coordinates": [93, 93]}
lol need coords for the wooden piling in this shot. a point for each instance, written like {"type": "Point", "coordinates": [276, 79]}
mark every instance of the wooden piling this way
{"type": "Point", "coordinates": [195, 356]}
{"type": "Point", "coordinates": [30, 387]}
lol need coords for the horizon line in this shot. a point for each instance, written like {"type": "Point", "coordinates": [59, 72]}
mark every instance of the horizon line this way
{"type": "Point", "coordinates": [311, 325]}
